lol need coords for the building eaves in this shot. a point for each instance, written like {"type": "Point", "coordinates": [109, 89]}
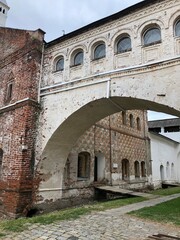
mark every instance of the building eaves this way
{"type": "Point", "coordinates": [164, 137]}
{"type": "Point", "coordinates": [164, 123]}
{"type": "Point", "coordinates": [4, 3]}
{"type": "Point", "coordinates": [103, 21]}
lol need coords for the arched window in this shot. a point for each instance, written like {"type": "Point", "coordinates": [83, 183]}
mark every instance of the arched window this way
{"type": "Point", "coordinates": [1, 158]}
{"type": "Point", "coordinates": [100, 51]}
{"type": "Point", "coordinates": [138, 122]}
{"type": "Point", "coordinates": [136, 169]}
{"type": "Point", "coordinates": [131, 120]}
{"type": "Point", "coordinates": [60, 64]}
{"type": "Point", "coordinates": [124, 117]}
{"type": "Point", "coordinates": [152, 36]}
{"type": "Point", "coordinates": [177, 28]}
{"type": "Point", "coordinates": [83, 165]}
{"type": "Point", "coordinates": [124, 45]}
{"type": "Point", "coordinates": [143, 169]}
{"type": "Point", "coordinates": [78, 58]}
{"type": "Point", "coordinates": [125, 169]}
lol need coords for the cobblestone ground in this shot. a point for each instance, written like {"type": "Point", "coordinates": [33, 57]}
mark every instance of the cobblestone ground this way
{"type": "Point", "coordinates": [108, 225]}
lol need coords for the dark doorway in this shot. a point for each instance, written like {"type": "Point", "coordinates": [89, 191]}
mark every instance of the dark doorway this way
{"type": "Point", "coordinates": [95, 169]}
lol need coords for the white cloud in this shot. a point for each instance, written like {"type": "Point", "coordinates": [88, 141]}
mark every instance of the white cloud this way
{"type": "Point", "coordinates": [53, 16]}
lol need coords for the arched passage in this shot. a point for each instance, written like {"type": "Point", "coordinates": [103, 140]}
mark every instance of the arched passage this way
{"type": "Point", "coordinates": [59, 144]}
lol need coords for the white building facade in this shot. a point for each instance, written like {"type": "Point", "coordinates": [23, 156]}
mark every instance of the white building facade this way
{"type": "Point", "coordinates": [165, 151]}
{"type": "Point", "coordinates": [3, 12]}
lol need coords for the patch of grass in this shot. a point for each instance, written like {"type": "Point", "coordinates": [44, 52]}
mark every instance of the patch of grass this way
{"type": "Point", "coordinates": [21, 224]}
{"type": "Point", "coordinates": [101, 206]}
{"type": "Point", "coordinates": [167, 212]}
{"type": "Point", "coordinates": [2, 235]}
{"type": "Point", "coordinates": [166, 191]}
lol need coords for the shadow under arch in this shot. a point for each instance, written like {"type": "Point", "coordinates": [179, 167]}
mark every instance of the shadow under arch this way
{"type": "Point", "coordinates": [56, 151]}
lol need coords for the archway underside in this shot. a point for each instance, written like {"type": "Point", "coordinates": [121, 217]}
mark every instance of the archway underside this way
{"type": "Point", "coordinates": [59, 145]}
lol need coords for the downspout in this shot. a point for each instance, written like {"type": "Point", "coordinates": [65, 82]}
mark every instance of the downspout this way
{"type": "Point", "coordinates": [41, 70]}
{"type": "Point", "coordinates": [110, 151]}
{"type": "Point", "coordinates": [110, 148]}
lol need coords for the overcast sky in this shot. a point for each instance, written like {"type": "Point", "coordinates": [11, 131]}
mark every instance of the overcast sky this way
{"type": "Point", "coordinates": [56, 16]}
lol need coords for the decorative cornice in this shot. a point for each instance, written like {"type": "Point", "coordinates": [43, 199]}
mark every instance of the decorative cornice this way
{"type": "Point", "coordinates": [19, 104]}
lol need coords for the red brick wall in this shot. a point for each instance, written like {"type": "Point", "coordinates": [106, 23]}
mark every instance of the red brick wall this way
{"type": "Point", "coordinates": [20, 65]}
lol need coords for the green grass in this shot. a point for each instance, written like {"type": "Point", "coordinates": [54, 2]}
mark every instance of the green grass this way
{"type": "Point", "coordinates": [166, 191]}
{"type": "Point", "coordinates": [167, 212]}
{"type": "Point", "coordinates": [22, 224]}
{"type": "Point", "coordinates": [2, 235]}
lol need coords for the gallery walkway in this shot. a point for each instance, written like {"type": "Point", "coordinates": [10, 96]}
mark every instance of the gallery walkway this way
{"type": "Point", "coordinates": [124, 192]}
{"type": "Point", "coordinates": [112, 224]}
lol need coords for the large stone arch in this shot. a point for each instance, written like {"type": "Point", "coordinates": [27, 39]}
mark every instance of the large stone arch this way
{"type": "Point", "coordinates": [68, 110]}
{"type": "Point", "coordinates": [58, 146]}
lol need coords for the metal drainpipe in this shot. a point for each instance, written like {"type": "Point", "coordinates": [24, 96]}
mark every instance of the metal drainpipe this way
{"type": "Point", "coordinates": [110, 148]}
{"type": "Point", "coordinates": [110, 151]}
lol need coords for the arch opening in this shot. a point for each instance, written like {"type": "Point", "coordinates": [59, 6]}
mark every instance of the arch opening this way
{"type": "Point", "coordinates": [62, 140]}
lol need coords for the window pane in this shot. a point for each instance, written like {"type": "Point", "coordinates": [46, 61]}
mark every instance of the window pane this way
{"type": "Point", "coordinates": [100, 51]}
{"type": "Point", "coordinates": [131, 119]}
{"type": "Point", "coordinates": [152, 36]}
{"type": "Point", "coordinates": [124, 45]}
{"type": "Point", "coordinates": [1, 158]}
{"type": "Point", "coordinates": [78, 59]}
{"type": "Point", "coordinates": [83, 165]}
{"type": "Point", "coordinates": [177, 29]}
{"type": "Point", "coordinates": [60, 64]}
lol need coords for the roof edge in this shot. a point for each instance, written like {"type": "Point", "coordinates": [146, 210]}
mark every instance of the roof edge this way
{"type": "Point", "coordinates": [102, 21]}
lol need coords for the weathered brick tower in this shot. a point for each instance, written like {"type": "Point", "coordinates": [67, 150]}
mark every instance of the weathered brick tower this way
{"type": "Point", "coordinates": [20, 64]}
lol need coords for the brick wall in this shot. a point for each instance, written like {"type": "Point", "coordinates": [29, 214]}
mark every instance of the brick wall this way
{"type": "Point", "coordinates": [20, 66]}
{"type": "Point", "coordinates": [115, 141]}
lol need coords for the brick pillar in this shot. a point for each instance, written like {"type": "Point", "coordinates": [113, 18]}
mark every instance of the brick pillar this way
{"type": "Point", "coordinates": [17, 183]}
